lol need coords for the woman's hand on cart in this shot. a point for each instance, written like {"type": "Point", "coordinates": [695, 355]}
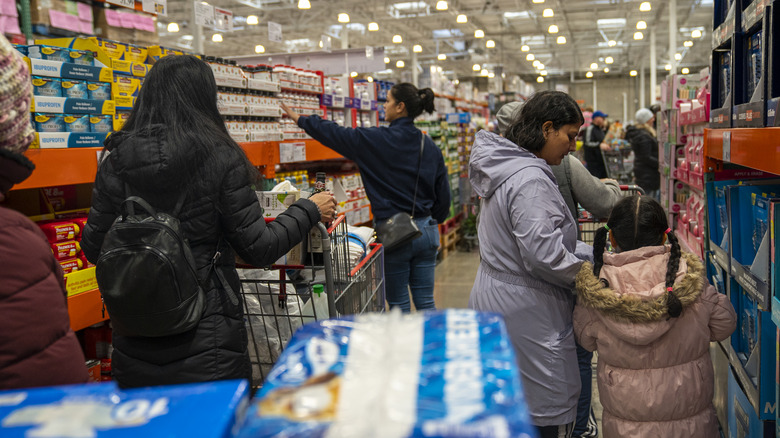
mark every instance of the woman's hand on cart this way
{"type": "Point", "coordinates": [327, 205]}
{"type": "Point", "coordinates": [293, 115]}
{"type": "Point", "coordinates": [604, 147]}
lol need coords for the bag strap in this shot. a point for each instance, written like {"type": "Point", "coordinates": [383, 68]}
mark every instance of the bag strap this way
{"type": "Point", "coordinates": [148, 207]}
{"type": "Point", "coordinates": [419, 163]}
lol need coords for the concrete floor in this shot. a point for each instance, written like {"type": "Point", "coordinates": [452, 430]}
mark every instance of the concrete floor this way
{"type": "Point", "coordinates": [454, 278]}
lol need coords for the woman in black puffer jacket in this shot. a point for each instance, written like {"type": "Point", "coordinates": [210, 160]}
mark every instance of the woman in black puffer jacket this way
{"type": "Point", "coordinates": [645, 147]}
{"type": "Point", "coordinates": [175, 141]}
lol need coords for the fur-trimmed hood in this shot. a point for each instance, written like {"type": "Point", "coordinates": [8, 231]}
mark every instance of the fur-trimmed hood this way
{"type": "Point", "coordinates": [635, 291]}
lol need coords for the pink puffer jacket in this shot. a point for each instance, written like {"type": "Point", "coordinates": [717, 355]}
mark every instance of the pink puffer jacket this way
{"type": "Point", "coordinates": [655, 375]}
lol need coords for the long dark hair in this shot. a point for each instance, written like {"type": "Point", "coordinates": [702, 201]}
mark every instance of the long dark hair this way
{"type": "Point", "coordinates": [553, 106]}
{"type": "Point", "coordinates": [416, 101]}
{"type": "Point", "coordinates": [635, 223]}
{"type": "Point", "coordinates": [180, 95]}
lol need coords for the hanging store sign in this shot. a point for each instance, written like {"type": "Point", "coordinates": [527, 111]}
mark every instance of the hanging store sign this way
{"type": "Point", "coordinates": [369, 52]}
{"type": "Point", "coordinates": [224, 20]}
{"type": "Point", "coordinates": [204, 14]}
{"type": "Point", "coordinates": [123, 3]}
{"type": "Point", "coordinates": [274, 32]}
{"type": "Point", "coordinates": [159, 7]}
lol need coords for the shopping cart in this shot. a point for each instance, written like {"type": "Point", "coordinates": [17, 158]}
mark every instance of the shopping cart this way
{"type": "Point", "coordinates": [279, 299]}
{"type": "Point", "coordinates": [589, 224]}
{"type": "Point", "coordinates": [619, 161]}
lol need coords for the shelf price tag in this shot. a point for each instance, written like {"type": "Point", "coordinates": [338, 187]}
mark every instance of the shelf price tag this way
{"type": "Point", "coordinates": [292, 152]}
{"type": "Point", "coordinates": [727, 146]}
{"type": "Point", "coordinates": [274, 32]}
{"type": "Point", "coordinates": [204, 14]}
{"type": "Point", "coordinates": [123, 3]}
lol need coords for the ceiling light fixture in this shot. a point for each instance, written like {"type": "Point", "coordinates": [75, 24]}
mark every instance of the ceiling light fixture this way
{"type": "Point", "coordinates": [462, 18]}
{"type": "Point", "coordinates": [685, 71]}
{"type": "Point", "coordinates": [217, 38]}
{"type": "Point", "coordinates": [612, 43]}
{"type": "Point", "coordinates": [439, 69]}
{"type": "Point", "coordinates": [668, 67]}
{"type": "Point", "coordinates": [525, 48]}
{"type": "Point", "coordinates": [678, 56]}
{"type": "Point", "coordinates": [397, 39]}
{"type": "Point", "coordinates": [343, 18]}
{"type": "Point", "coordinates": [387, 60]}
{"type": "Point", "coordinates": [370, 79]}
{"type": "Point", "coordinates": [606, 69]}
{"type": "Point", "coordinates": [173, 27]}
{"type": "Point", "coordinates": [491, 75]}
{"type": "Point", "coordinates": [479, 33]}
{"type": "Point", "coordinates": [442, 5]}
{"type": "Point", "coordinates": [536, 62]}
{"type": "Point", "coordinates": [645, 7]}
{"type": "Point", "coordinates": [540, 66]}
{"type": "Point", "coordinates": [561, 40]}
{"type": "Point", "coordinates": [259, 49]}
{"type": "Point", "coordinates": [417, 48]}
{"type": "Point", "coordinates": [490, 44]}
{"type": "Point", "coordinates": [373, 26]}
{"type": "Point", "coordinates": [529, 57]}
{"type": "Point", "coordinates": [552, 29]}
{"type": "Point", "coordinates": [632, 73]}
{"type": "Point", "coordinates": [252, 20]}
{"type": "Point", "coordinates": [609, 60]}
{"type": "Point", "coordinates": [589, 74]}
{"type": "Point", "coordinates": [638, 35]}
{"type": "Point", "coordinates": [353, 74]}
{"type": "Point", "coordinates": [688, 44]}
{"type": "Point", "coordinates": [320, 44]}
{"type": "Point", "coordinates": [538, 1]}
{"type": "Point", "coordinates": [304, 4]}
{"type": "Point", "coordinates": [484, 72]}
{"type": "Point", "coordinates": [476, 67]}
{"type": "Point", "coordinates": [442, 57]}
{"type": "Point", "coordinates": [696, 33]}
{"type": "Point", "coordinates": [540, 79]}
{"type": "Point", "coordinates": [547, 13]}
{"type": "Point", "coordinates": [594, 66]}
{"type": "Point", "coordinates": [543, 72]}
{"type": "Point", "coordinates": [399, 64]}
{"type": "Point", "coordinates": [641, 25]}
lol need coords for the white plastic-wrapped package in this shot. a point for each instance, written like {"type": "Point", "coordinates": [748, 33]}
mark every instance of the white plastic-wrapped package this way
{"type": "Point", "coordinates": [435, 374]}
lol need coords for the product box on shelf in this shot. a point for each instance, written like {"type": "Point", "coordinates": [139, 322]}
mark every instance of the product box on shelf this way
{"type": "Point", "coordinates": [773, 66]}
{"type": "Point", "coordinates": [65, 70]}
{"type": "Point", "coordinates": [750, 80]}
{"type": "Point", "coordinates": [753, 13]}
{"type": "Point", "coordinates": [721, 97]}
{"type": "Point", "coordinates": [774, 236]}
{"type": "Point", "coordinates": [62, 105]}
{"type": "Point", "coordinates": [125, 25]}
{"type": "Point", "coordinates": [743, 421]}
{"type": "Point", "coordinates": [211, 410]}
{"type": "Point", "coordinates": [58, 140]}
{"type": "Point", "coordinates": [155, 52]}
{"type": "Point", "coordinates": [726, 17]}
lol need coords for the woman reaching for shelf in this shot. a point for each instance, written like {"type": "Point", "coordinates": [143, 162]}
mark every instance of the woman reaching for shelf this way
{"type": "Point", "coordinates": [394, 171]}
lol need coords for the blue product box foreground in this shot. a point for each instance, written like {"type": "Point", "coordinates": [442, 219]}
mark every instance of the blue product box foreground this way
{"type": "Point", "coordinates": [450, 373]}
{"type": "Point", "coordinates": [103, 410]}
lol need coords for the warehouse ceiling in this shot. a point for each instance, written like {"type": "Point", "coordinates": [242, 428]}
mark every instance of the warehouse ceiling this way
{"type": "Point", "coordinates": [594, 31]}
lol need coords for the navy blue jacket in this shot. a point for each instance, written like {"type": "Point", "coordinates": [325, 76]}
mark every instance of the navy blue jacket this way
{"type": "Point", "coordinates": [388, 159]}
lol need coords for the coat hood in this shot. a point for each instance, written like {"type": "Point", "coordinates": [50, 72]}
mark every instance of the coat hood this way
{"type": "Point", "coordinates": [494, 159]}
{"type": "Point", "coordinates": [635, 310]}
{"type": "Point", "coordinates": [634, 131]}
{"type": "Point", "coordinates": [147, 161]}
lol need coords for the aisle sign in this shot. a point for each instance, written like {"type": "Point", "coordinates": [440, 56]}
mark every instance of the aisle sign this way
{"type": "Point", "coordinates": [204, 14]}
{"type": "Point", "coordinates": [223, 20]}
{"type": "Point", "coordinates": [123, 3]}
{"type": "Point", "coordinates": [275, 32]}
{"type": "Point", "coordinates": [727, 146]}
{"type": "Point", "coordinates": [159, 7]}
{"type": "Point", "coordinates": [369, 52]}
{"type": "Point", "coordinates": [292, 152]}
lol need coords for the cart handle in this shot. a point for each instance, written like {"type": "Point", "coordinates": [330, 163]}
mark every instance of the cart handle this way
{"type": "Point", "coordinates": [377, 247]}
{"type": "Point", "coordinates": [634, 187]}
{"type": "Point", "coordinates": [339, 219]}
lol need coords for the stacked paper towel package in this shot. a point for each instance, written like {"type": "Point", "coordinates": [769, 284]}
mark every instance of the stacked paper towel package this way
{"type": "Point", "coordinates": [435, 374]}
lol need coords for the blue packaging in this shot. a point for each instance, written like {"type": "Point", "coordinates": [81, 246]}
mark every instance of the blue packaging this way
{"type": "Point", "coordinates": [44, 86]}
{"type": "Point", "coordinates": [99, 90]}
{"type": "Point", "coordinates": [74, 89]}
{"type": "Point", "coordinates": [101, 123]}
{"type": "Point", "coordinates": [81, 57]}
{"type": "Point", "coordinates": [49, 53]}
{"type": "Point", "coordinates": [445, 374]}
{"type": "Point", "coordinates": [102, 410]}
{"type": "Point", "coordinates": [76, 122]}
{"type": "Point", "coordinates": [20, 48]}
{"type": "Point", "coordinates": [49, 122]}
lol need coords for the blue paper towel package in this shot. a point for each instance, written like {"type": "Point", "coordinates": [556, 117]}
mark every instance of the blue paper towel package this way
{"type": "Point", "coordinates": [102, 410]}
{"type": "Point", "coordinates": [435, 374]}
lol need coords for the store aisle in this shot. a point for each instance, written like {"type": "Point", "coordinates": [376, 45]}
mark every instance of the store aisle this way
{"type": "Point", "coordinates": [454, 278]}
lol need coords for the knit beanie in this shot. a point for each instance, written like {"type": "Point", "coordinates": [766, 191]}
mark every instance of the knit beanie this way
{"type": "Point", "coordinates": [643, 116]}
{"type": "Point", "coordinates": [16, 133]}
{"type": "Point", "coordinates": [506, 115]}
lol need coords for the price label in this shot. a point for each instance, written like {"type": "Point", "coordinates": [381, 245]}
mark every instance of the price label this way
{"type": "Point", "coordinates": [159, 7]}
{"type": "Point", "coordinates": [224, 20]}
{"type": "Point", "coordinates": [325, 40]}
{"type": "Point", "coordinates": [727, 146]}
{"type": "Point", "coordinates": [275, 32]}
{"type": "Point", "coordinates": [123, 3]}
{"type": "Point", "coordinates": [204, 14]}
{"type": "Point", "coordinates": [369, 52]}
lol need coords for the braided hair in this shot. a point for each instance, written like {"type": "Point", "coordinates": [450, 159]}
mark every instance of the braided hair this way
{"type": "Point", "coordinates": [637, 222]}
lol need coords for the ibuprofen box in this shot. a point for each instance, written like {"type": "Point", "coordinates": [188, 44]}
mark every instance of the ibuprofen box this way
{"type": "Point", "coordinates": [103, 410]}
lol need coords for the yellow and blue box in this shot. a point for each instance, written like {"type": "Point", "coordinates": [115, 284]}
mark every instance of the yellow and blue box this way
{"type": "Point", "coordinates": [43, 86]}
{"type": "Point", "coordinates": [62, 105]}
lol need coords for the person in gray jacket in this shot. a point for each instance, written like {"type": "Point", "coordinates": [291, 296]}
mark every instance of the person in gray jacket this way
{"type": "Point", "coordinates": [530, 253]}
{"type": "Point", "coordinates": [576, 185]}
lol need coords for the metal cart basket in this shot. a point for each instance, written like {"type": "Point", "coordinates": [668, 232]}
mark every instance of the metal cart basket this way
{"type": "Point", "coordinates": [589, 224]}
{"type": "Point", "coordinates": [279, 299]}
{"type": "Point", "coordinates": [619, 161]}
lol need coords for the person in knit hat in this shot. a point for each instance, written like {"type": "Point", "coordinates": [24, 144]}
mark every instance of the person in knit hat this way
{"type": "Point", "coordinates": [645, 146]}
{"type": "Point", "coordinates": [39, 347]}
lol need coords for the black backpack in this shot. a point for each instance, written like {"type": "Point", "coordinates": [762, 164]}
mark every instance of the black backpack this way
{"type": "Point", "coordinates": [147, 275]}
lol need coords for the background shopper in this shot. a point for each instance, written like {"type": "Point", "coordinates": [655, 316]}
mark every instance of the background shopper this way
{"type": "Point", "coordinates": [174, 141]}
{"type": "Point", "coordinates": [649, 311]}
{"type": "Point", "coordinates": [593, 143]}
{"type": "Point", "coordinates": [388, 159]}
{"type": "Point", "coordinates": [645, 146]}
{"type": "Point", "coordinates": [38, 346]}
{"type": "Point", "coordinates": [528, 240]}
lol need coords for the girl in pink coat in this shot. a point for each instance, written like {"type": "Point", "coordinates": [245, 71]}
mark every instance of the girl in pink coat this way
{"type": "Point", "coordinates": [648, 310]}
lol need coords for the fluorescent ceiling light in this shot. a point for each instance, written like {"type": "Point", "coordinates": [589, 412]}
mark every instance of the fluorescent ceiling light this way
{"type": "Point", "coordinates": [594, 66]}
{"type": "Point", "coordinates": [696, 33]}
{"type": "Point", "coordinates": [399, 64]}
{"type": "Point", "coordinates": [589, 74]}
{"type": "Point", "coordinates": [525, 48]}
{"type": "Point", "coordinates": [536, 62]}
{"type": "Point", "coordinates": [540, 66]}
{"type": "Point", "coordinates": [304, 4]}
{"type": "Point", "coordinates": [476, 67]}
{"type": "Point", "coordinates": [685, 70]}
{"type": "Point", "coordinates": [678, 56]}
{"type": "Point", "coordinates": [370, 79]}
{"type": "Point", "coordinates": [538, 1]}
{"type": "Point", "coordinates": [484, 72]}
{"type": "Point", "coordinates": [442, 57]}
{"type": "Point", "coordinates": [540, 79]}
{"type": "Point", "coordinates": [609, 60]}
{"type": "Point", "coordinates": [479, 33]}
{"type": "Point", "coordinates": [442, 5]}
{"type": "Point", "coordinates": [490, 44]}
{"type": "Point", "coordinates": [173, 27]}
{"type": "Point", "coordinates": [217, 38]}
{"type": "Point", "coordinates": [353, 74]}
{"type": "Point", "coordinates": [529, 57]}
{"type": "Point", "coordinates": [547, 13]}
{"type": "Point", "coordinates": [612, 43]}
{"type": "Point", "coordinates": [641, 25]}
{"type": "Point", "coordinates": [611, 23]}
{"type": "Point", "coordinates": [688, 44]}
{"type": "Point", "coordinates": [252, 20]}
{"type": "Point", "coordinates": [491, 75]}
{"type": "Point", "coordinates": [373, 27]}
{"type": "Point", "coordinates": [387, 60]}
{"type": "Point", "coordinates": [260, 49]}
{"type": "Point", "coordinates": [606, 69]}
{"type": "Point", "coordinates": [552, 29]}
{"type": "Point", "coordinates": [543, 72]}
{"type": "Point", "coordinates": [417, 48]}
{"type": "Point", "coordinates": [645, 7]}
{"type": "Point", "coordinates": [638, 35]}
{"type": "Point", "coordinates": [462, 18]}
{"type": "Point", "coordinates": [632, 73]}
{"type": "Point", "coordinates": [668, 67]}
{"type": "Point", "coordinates": [343, 18]}
{"type": "Point", "coordinates": [397, 39]}
{"type": "Point", "coordinates": [513, 15]}
{"type": "Point", "coordinates": [561, 40]}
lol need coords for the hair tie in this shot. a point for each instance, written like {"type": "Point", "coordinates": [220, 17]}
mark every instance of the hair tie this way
{"type": "Point", "coordinates": [669, 289]}
{"type": "Point", "coordinates": [606, 227]}
{"type": "Point", "coordinates": [668, 230]}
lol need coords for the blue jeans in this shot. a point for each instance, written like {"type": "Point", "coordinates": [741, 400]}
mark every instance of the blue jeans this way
{"type": "Point", "coordinates": [413, 266]}
{"type": "Point", "coordinates": [585, 426]}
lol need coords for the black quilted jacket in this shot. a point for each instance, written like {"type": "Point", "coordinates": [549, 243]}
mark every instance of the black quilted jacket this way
{"type": "Point", "coordinates": [218, 208]}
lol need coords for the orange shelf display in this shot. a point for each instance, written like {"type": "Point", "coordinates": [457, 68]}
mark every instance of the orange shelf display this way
{"type": "Point", "coordinates": [756, 148]}
{"type": "Point", "coordinates": [60, 167]}
{"type": "Point", "coordinates": [86, 309]}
